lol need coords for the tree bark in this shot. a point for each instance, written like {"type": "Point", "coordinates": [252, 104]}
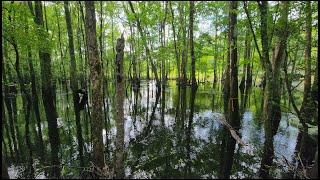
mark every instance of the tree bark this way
{"type": "Point", "coordinates": [231, 104]}
{"type": "Point", "coordinates": [96, 78]}
{"type": "Point", "coordinates": [184, 43]}
{"type": "Point", "coordinates": [193, 58]}
{"type": "Point", "coordinates": [120, 116]}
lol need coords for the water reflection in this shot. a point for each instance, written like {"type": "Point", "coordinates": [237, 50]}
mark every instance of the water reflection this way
{"type": "Point", "coordinates": [170, 132]}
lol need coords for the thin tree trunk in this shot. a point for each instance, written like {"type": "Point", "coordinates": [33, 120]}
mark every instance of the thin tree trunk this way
{"type": "Point", "coordinates": [153, 67]}
{"type": "Point", "coordinates": [216, 51]}
{"type": "Point", "coordinates": [162, 42]}
{"type": "Point", "coordinates": [35, 102]}
{"type": "Point", "coordinates": [7, 132]}
{"type": "Point", "coordinates": [79, 43]}
{"type": "Point", "coordinates": [45, 16]}
{"type": "Point", "coordinates": [26, 100]}
{"type": "Point", "coordinates": [184, 43]}
{"type": "Point", "coordinates": [246, 77]}
{"type": "Point", "coordinates": [104, 80]}
{"type": "Point", "coordinates": [133, 55]}
{"type": "Point", "coordinates": [193, 58]}
{"type": "Point", "coordinates": [174, 40]}
{"type": "Point", "coordinates": [226, 83]}
{"type": "Point", "coordinates": [307, 54]}
{"type": "Point", "coordinates": [74, 82]}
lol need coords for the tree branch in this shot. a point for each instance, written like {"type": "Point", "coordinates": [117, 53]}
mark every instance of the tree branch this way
{"type": "Point", "coordinates": [288, 86]}
{"type": "Point", "coordinates": [251, 28]}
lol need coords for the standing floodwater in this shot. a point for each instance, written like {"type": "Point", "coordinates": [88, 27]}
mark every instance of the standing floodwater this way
{"type": "Point", "coordinates": [159, 143]}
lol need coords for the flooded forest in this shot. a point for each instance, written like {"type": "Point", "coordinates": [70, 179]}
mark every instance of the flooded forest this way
{"type": "Point", "coordinates": [159, 89]}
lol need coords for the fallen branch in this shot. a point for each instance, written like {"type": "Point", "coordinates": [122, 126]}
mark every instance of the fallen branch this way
{"type": "Point", "coordinates": [293, 169]}
{"type": "Point", "coordinates": [232, 131]}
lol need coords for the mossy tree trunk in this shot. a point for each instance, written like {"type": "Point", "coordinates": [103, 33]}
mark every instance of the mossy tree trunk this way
{"type": "Point", "coordinates": [96, 80]}
{"type": "Point", "coordinates": [271, 105]}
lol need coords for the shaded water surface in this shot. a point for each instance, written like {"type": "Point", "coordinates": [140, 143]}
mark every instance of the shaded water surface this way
{"type": "Point", "coordinates": [165, 137]}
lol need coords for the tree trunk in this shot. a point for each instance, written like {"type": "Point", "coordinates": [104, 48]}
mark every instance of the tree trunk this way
{"type": "Point", "coordinates": [189, 130]}
{"type": "Point", "coordinates": [47, 93]}
{"type": "Point", "coordinates": [246, 77]}
{"type": "Point", "coordinates": [162, 42]}
{"type": "Point", "coordinates": [193, 58]}
{"type": "Point", "coordinates": [227, 148]}
{"type": "Point", "coordinates": [9, 94]}
{"type": "Point", "coordinates": [271, 107]}
{"type": "Point", "coordinates": [74, 82]}
{"type": "Point", "coordinates": [314, 93]}
{"type": "Point", "coordinates": [306, 107]}
{"type": "Point", "coordinates": [307, 54]}
{"type": "Point", "coordinates": [314, 88]}
{"type": "Point", "coordinates": [35, 101]}
{"type": "Point", "coordinates": [4, 171]}
{"type": "Point", "coordinates": [216, 51]}
{"type": "Point", "coordinates": [64, 80]}
{"type": "Point", "coordinates": [7, 131]}
{"type": "Point", "coordinates": [120, 116]}
{"type": "Point", "coordinates": [96, 78]}
{"type": "Point", "coordinates": [184, 43]}
{"type": "Point", "coordinates": [133, 55]}
{"type": "Point", "coordinates": [226, 83]}
{"type": "Point", "coordinates": [26, 100]}
{"type": "Point", "coordinates": [153, 67]}
{"type": "Point", "coordinates": [174, 40]}
{"type": "Point", "coordinates": [231, 104]}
